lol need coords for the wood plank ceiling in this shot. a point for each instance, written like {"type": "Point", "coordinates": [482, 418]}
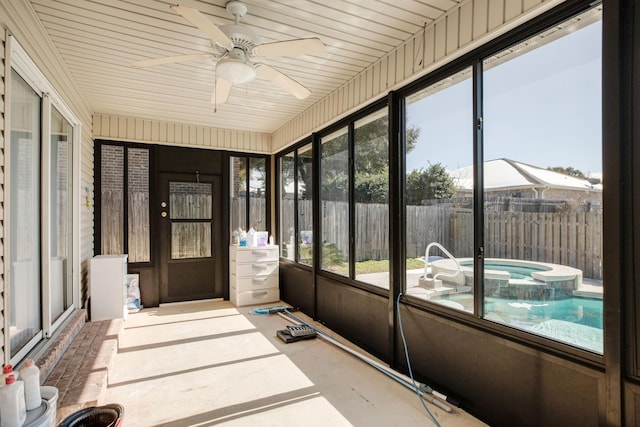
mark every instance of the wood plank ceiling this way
{"type": "Point", "coordinates": [99, 39]}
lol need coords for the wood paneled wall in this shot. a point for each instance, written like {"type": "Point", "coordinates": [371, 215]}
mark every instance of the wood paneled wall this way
{"type": "Point", "coordinates": [470, 25]}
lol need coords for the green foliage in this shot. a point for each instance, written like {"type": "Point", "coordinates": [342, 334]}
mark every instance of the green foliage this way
{"type": "Point", "coordinates": [333, 259]}
{"type": "Point", "coordinates": [372, 163]}
{"type": "Point", "coordinates": [381, 266]}
{"type": "Point", "coordinates": [432, 183]}
{"type": "Point", "coordinates": [335, 187]}
{"type": "Point", "coordinates": [568, 171]}
{"type": "Point", "coordinates": [372, 188]}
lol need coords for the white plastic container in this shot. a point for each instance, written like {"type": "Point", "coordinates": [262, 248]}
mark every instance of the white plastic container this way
{"type": "Point", "coordinates": [262, 238]}
{"type": "Point", "coordinates": [252, 238]}
{"type": "Point", "coordinates": [12, 405]}
{"type": "Point", "coordinates": [31, 377]}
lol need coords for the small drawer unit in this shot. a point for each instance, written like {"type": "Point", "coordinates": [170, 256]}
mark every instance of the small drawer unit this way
{"type": "Point", "coordinates": [253, 274]}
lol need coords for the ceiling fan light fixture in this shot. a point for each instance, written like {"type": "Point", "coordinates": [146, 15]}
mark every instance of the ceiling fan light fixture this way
{"type": "Point", "coordinates": [237, 71]}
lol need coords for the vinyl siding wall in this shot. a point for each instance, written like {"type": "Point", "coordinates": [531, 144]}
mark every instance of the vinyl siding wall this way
{"type": "Point", "coordinates": [118, 128]}
{"type": "Point", "coordinates": [18, 18]}
{"type": "Point", "coordinates": [2, 142]}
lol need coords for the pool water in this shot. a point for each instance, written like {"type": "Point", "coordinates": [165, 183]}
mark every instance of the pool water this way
{"type": "Point", "coordinates": [582, 311]}
{"type": "Point", "coordinates": [575, 321]}
{"type": "Point", "coordinates": [516, 271]}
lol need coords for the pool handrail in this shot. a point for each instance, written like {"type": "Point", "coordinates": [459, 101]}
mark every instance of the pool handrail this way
{"type": "Point", "coordinates": [446, 252]}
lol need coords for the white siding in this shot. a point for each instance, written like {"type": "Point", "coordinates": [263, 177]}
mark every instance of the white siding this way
{"type": "Point", "coordinates": [119, 128]}
{"type": "Point", "coordinates": [462, 29]}
{"type": "Point", "coordinates": [19, 18]}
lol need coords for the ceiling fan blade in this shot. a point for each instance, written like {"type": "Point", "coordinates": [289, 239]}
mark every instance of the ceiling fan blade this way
{"type": "Point", "coordinates": [200, 21]}
{"type": "Point", "coordinates": [171, 60]}
{"type": "Point", "coordinates": [291, 48]}
{"type": "Point", "coordinates": [285, 82]}
{"type": "Point", "coordinates": [221, 91]}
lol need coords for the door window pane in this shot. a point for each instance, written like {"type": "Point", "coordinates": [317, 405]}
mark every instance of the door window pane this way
{"type": "Point", "coordinates": [61, 198]}
{"type": "Point", "coordinates": [438, 187]}
{"type": "Point", "coordinates": [188, 202]}
{"type": "Point", "coordinates": [112, 200]}
{"type": "Point", "coordinates": [24, 252]}
{"type": "Point", "coordinates": [138, 211]}
{"type": "Point", "coordinates": [190, 240]}
{"type": "Point", "coordinates": [287, 206]}
{"type": "Point", "coordinates": [305, 205]}
{"type": "Point", "coordinates": [334, 202]}
{"type": "Point", "coordinates": [542, 190]}
{"type": "Point", "coordinates": [371, 157]}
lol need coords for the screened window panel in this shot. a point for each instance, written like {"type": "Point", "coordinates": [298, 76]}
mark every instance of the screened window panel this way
{"type": "Point", "coordinates": [287, 206]}
{"type": "Point", "coordinates": [371, 184]}
{"type": "Point", "coordinates": [334, 202]}
{"type": "Point", "coordinates": [438, 189]}
{"type": "Point", "coordinates": [139, 233]}
{"type": "Point", "coordinates": [112, 200]}
{"type": "Point", "coordinates": [304, 179]}
{"type": "Point", "coordinates": [542, 193]}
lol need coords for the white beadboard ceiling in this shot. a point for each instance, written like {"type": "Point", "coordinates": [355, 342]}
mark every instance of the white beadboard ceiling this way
{"type": "Point", "coordinates": [99, 39]}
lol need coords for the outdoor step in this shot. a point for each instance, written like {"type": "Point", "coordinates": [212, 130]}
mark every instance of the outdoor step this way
{"type": "Point", "coordinates": [82, 373]}
{"type": "Point", "coordinates": [56, 346]}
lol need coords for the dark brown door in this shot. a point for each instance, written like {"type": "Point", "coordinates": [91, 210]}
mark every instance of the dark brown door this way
{"type": "Point", "coordinates": [190, 226]}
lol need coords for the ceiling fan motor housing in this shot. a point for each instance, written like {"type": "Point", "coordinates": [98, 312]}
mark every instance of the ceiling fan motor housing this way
{"type": "Point", "coordinates": [242, 37]}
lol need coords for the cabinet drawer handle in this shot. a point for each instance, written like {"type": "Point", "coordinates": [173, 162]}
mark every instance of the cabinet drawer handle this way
{"type": "Point", "coordinates": [260, 294]}
{"type": "Point", "coordinates": [259, 252]}
{"type": "Point", "coordinates": [260, 279]}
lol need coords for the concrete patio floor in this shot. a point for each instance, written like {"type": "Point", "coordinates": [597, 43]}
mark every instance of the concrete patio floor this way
{"type": "Point", "coordinates": [211, 363]}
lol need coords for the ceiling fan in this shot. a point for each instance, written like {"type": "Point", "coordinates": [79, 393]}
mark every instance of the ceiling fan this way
{"type": "Point", "coordinates": [236, 47]}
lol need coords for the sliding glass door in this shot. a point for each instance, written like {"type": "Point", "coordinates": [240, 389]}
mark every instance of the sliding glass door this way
{"type": "Point", "coordinates": [25, 297]}
{"type": "Point", "coordinates": [40, 214]}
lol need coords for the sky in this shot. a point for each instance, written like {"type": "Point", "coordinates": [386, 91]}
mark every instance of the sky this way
{"type": "Point", "coordinates": [542, 108]}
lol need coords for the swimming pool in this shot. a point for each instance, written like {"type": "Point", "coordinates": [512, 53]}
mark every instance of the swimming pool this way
{"type": "Point", "coordinates": [516, 271]}
{"type": "Point", "coordinates": [508, 278]}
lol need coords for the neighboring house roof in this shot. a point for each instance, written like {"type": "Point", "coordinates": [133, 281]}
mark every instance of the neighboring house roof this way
{"type": "Point", "coordinates": [510, 174]}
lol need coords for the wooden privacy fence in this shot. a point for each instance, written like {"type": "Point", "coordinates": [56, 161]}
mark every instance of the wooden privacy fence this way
{"type": "Point", "coordinates": [571, 238]}
{"type": "Point", "coordinates": [566, 238]}
{"type": "Point", "coordinates": [257, 213]}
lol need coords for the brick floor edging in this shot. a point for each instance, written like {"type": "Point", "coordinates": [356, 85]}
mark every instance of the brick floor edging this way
{"type": "Point", "coordinates": [81, 375]}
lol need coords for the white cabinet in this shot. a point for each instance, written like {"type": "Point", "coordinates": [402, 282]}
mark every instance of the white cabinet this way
{"type": "Point", "coordinates": [253, 274]}
{"type": "Point", "coordinates": [108, 287]}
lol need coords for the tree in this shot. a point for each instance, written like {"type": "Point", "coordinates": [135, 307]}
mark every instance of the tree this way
{"type": "Point", "coordinates": [371, 158]}
{"type": "Point", "coordinates": [568, 171]}
{"type": "Point", "coordinates": [432, 183]}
